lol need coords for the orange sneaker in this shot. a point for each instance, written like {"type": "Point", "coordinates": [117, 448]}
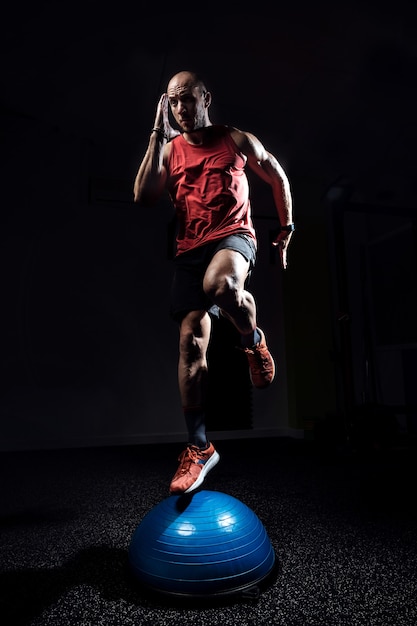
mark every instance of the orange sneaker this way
{"type": "Point", "coordinates": [261, 363]}
{"type": "Point", "coordinates": [193, 467]}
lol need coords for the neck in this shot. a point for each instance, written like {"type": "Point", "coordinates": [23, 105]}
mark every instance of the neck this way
{"type": "Point", "coordinates": [196, 136]}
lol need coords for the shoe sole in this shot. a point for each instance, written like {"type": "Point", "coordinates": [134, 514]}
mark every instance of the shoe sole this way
{"type": "Point", "coordinates": [213, 460]}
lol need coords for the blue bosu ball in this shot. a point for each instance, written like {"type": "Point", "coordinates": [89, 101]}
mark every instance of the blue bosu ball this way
{"type": "Point", "coordinates": [202, 544]}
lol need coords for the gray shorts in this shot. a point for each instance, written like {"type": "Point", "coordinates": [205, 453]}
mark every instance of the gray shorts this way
{"type": "Point", "coordinates": [187, 285]}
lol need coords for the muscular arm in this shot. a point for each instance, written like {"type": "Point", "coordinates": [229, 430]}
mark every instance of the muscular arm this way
{"type": "Point", "coordinates": [266, 166]}
{"type": "Point", "coordinates": [152, 174]}
{"type": "Point", "coordinates": [151, 177]}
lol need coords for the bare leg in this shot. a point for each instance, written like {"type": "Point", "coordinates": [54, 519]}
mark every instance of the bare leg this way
{"type": "Point", "coordinates": [195, 332]}
{"type": "Point", "coordinates": [224, 283]}
{"type": "Point", "coordinates": [200, 456]}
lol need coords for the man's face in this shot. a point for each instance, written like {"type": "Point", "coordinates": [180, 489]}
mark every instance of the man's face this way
{"type": "Point", "coordinates": [188, 105]}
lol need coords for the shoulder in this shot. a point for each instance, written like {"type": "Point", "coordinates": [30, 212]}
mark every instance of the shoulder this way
{"type": "Point", "coordinates": [238, 136]}
{"type": "Point", "coordinates": [247, 142]}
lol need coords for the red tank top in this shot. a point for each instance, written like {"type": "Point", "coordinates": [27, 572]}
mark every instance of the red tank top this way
{"type": "Point", "coordinates": [209, 189]}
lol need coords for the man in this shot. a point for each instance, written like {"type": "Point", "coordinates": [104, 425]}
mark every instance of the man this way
{"type": "Point", "coordinates": [202, 167]}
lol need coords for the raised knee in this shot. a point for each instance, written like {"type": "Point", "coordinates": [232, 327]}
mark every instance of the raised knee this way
{"type": "Point", "coordinates": [220, 290]}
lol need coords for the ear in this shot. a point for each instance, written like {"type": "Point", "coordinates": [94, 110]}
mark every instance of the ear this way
{"type": "Point", "coordinates": [207, 99]}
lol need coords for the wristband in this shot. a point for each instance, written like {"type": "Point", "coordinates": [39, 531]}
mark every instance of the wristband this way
{"type": "Point", "coordinates": [289, 228]}
{"type": "Point", "coordinates": [160, 132]}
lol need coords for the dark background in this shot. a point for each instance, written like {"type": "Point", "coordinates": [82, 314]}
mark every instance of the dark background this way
{"type": "Point", "coordinates": [330, 90]}
{"type": "Point", "coordinates": [89, 355]}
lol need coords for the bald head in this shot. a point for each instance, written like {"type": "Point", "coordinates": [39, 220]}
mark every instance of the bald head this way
{"type": "Point", "coordinates": [189, 101]}
{"type": "Point", "coordinates": [186, 80]}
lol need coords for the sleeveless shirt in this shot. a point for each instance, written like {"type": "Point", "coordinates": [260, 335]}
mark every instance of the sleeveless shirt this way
{"type": "Point", "coordinates": [209, 189]}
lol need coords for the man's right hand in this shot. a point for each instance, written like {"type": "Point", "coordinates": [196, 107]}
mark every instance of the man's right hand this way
{"type": "Point", "coordinates": [162, 118]}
